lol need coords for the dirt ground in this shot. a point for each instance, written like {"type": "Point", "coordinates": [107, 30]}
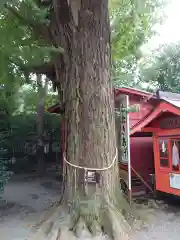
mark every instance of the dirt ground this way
{"type": "Point", "coordinates": [162, 221]}
{"type": "Point", "coordinates": [27, 198]}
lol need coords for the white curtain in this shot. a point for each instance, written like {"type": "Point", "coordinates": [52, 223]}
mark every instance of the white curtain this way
{"type": "Point", "coordinates": [175, 155]}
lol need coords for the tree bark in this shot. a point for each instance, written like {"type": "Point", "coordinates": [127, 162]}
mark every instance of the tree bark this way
{"type": "Point", "coordinates": [40, 125]}
{"type": "Point", "coordinates": [87, 92]}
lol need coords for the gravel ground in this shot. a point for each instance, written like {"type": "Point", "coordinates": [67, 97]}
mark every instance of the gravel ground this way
{"type": "Point", "coordinates": [28, 198]}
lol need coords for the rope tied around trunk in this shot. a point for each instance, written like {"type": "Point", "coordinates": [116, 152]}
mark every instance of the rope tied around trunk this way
{"type": "Point", "coordinates": [92, 169]}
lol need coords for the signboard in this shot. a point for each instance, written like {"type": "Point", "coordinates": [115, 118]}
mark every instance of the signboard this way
{"type": "Point", "coordinates": [124, 128]}
{"type": "Point", "coordinates": [174, 180]}
{"type": "Point", "coordinates": [170, 123]}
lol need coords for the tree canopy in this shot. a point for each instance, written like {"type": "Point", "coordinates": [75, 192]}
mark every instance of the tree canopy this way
{"type": "Point", "coordinates": [25, 43]}
{"type": "Point", "coordinates": [132, 24]}
{"type": "Point", "coordinates": [161, 70]}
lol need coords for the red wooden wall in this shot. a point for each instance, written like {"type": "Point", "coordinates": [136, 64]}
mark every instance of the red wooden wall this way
{"type": "Point", "coordinates": [144, 108]}
{"type": "Point", "coordinates": [142, 156]}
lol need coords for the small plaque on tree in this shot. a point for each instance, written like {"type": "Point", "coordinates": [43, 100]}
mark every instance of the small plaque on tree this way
{"type": "Point", "coordinates": [92, 177]}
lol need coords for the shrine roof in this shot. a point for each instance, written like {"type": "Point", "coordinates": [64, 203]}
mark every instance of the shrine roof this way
{"type": "Point", "coordinates": [165, 105]}
{"type": "Point", "coordinates": [159, 96]}
{"type": "Point", "coordinates": [134, 91]}
{"type": "Point", "coordinates": [172, 98]}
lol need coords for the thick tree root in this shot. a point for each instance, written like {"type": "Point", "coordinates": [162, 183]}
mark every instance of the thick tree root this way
{"type": "Point", "coordinates": [49, 227]}
{"type": "Point", "coordinates": [87, 218]}
{"type": "Point", "coordinates": [120, 227]}
{"type": "Point", "coordinates": [57, 226]}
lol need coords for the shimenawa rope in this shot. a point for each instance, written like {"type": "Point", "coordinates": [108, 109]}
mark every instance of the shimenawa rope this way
{"type": "Point", "coordinates": [92, 169]}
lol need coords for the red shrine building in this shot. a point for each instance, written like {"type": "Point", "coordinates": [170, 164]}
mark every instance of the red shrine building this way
{"type": "Point", "coordinates": [154, 129]}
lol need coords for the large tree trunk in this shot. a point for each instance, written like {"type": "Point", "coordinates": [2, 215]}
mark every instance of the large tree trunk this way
{"type": "Point", "coordinates": [89, 106]}
{"type": "Point", "coordinates": [89, 111]}
{"type": "Point", "coordinates": [83, 76]}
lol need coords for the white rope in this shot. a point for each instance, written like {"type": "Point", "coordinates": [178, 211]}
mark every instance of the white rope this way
{"type": "Point", "coordinates": [92, 169]}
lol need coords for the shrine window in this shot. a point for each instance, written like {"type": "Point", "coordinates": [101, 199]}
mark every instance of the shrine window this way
{"type": "Point", "coordinates": [175, 146]}
{"type": "Point", "coordinates": [163, 153]}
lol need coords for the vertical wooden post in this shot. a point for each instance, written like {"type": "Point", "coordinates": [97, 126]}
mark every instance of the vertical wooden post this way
{"type": "Point", "coordinates": [128, 153]}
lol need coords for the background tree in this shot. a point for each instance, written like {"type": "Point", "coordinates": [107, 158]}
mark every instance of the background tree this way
{"type": "Point", "coordinates": [42, 90]}
{"type": "Point", "coordinates": [132, 24]}
{"type": "Point", "coordinates": [36, 97]}
{"type": "Point", "coordinates": [161, 70]}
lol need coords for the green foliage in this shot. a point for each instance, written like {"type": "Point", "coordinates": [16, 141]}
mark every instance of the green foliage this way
{"type": "Point", "coordinates": [29, 97]}
{"type": "Point", "coordinates": [4, 174]}
{"type": "Point", "coordinates": [124, 72]}
{"type": "Point", "coordinates": [22, 27]}
{"type": "Point", "coordinates": [24, 125]}
{"type": "Point", "coordinates": [15, 132]}
{"type": "Point", "coordinates": [132, 24]}
{"type": "Point", "coordinates": [129, 26]}
{"type": "Point", "coordinates": [21, 49]}
{"type": "Point", "coordinates": [162, 69]}
{"type": "Point", "coordinates": [23, 30]}
{"type": "Point", "coordinates": [20, 127]}
{"type": "Point", "coordinates": [10, 81]}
